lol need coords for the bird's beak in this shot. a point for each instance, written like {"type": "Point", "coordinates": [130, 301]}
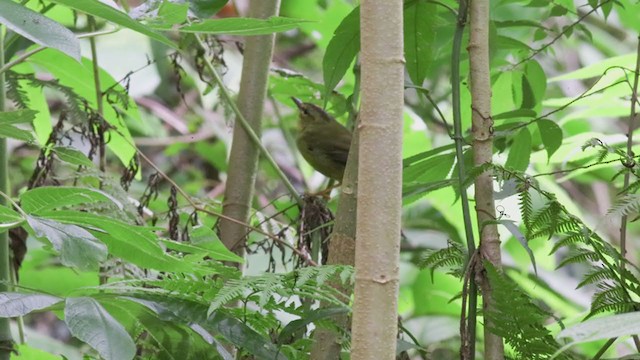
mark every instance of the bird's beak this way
{"type": "Point", "coordinates": [298, 102]}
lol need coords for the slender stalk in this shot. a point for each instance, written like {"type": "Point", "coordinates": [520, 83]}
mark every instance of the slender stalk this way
{"type": "Point", "coordinates": [245, 124]}
{"type": "Point", "coordinates": [241, 177]}
{"type": "Point", "coordinates": [482, 131]}
{"type": "Point", "coordinates": [627, 175]}
{"type": "Point", "coordinates": [379, 201]}
{"type": "Point", "coordinates": [6, 341]}
{"type": "Point", "coordinates": [468, 344]}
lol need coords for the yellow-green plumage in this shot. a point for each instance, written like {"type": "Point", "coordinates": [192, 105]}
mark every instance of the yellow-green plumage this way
{"type": "Point", "coordinates": [322, 141]}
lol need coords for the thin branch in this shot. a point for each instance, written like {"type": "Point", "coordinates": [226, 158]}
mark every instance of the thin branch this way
{"type": "Point", "coordinates": [245, 125]}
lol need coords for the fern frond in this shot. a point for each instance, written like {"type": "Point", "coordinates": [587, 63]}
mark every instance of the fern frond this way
{"type": "Point", "coordinates": [526, 208]}
{"type": "Point", "coordinates": [597, 275]}
{"type": "Point", "coordinates": [626, 205]}
{"type": "Point", "coordinates": [578, 256]}
{"type": "Point", "coordinates": [575, 237]}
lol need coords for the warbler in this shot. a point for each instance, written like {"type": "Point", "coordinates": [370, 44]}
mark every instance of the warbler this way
{"type": "Point", "coordinates": [323, 142]}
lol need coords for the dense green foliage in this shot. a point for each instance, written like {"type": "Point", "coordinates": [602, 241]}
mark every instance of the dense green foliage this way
{"type": "Point", "coordinates": [117, 165]}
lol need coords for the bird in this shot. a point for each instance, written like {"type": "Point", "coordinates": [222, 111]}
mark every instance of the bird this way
{"type": "Point", "coordinates": [322, 141]}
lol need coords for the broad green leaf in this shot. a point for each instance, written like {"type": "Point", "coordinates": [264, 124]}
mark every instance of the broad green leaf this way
{"type": "Point", "coordinates": [55, 197]}
{"type": "Point", "coordinates": [342, 49]}
{"type": "Point", "coordinates": [72, 156]}
{"type": "Point", "coordinates": [17, 117]}
{"type": "Point", "coordinates": [300, 325]}
{"type": "Point", "coordinates": [551, 135]}
{"type": "Point", "coordinates": [520, 151]}
{"type": "Point", "coordinates": [12, 132]}
{"type": "Point", "coordinates": [104, 11]}
{"type": "Point", "coordinates": [517, 114]}
{"type": "Point", "coordinates": [79, 77]}
{"type": "Point", "coordinates": [597, 69]}
{"type": "Point", "coordinates": [39, 28]}
{"type": "Point", "coordinates": [528, 97]}
{"type": "Point", "coordinates": [206, 8]}
{"type": "Point", "coordinates": [419, 37]}
{"type": "Point", "coordinates": [430, 170]}
{"type": "Point", "coordinates": [606, 327]}
{"type": "Point", "coordinates": [90, 322]}
{"type": "Point", "coordinates": [77, 247]}
{"type": "Point", "coordinates": [8, 119]}
{"type": "Point", "coordinates": [515, 231]}
{"type": "Point", "coordinates": [145, 251]}
{"type": "Point", "coordinates": [232, 329]}
{"type": "Point", "coordinates": [9, 218]}
{"type": "Point", "coordinates": [537, 81]}
{"type": "Point", "coordinates": [629, 14]}
{"type": "Point", "coordinates": [243, 26]}
{"type": "Point", "coordinates": [172, 13]}
{"type": "Point", "coordinates": [17, 304]}
{"type": "Point", "coordinates": [218, 251]}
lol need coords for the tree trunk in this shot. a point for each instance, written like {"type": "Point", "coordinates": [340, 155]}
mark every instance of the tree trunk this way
{"type": "Point", "coordinates": [375, 319]}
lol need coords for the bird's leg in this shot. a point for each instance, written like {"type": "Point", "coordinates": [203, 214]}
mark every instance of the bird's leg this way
{"type": "Point", "coordinates": [327, 191]}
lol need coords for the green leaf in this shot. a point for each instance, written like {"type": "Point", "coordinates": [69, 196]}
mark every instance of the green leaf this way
{"type": "Point", "coordinates": [77, 247]}
{"type": "Point", "coordinates": [341, 50]}
{"type": "Point", "coordinates": [104, 11]}
{"type": "Point", "coordinates": [606, 327]}
{"type": "Point", "coordinates": [12, 132]}
{"type": "Point", "coordinates": [218, 251]}
{"type": "Point", "coordinates": [243, 26]}
{"type": "Point", "coordinates": [9, 218]}
{"type": "Point", "coordinates": [72, 156]}
{"type": "Point", "coordinates": [16, 304]}
{"type": "Point", "coordinates": [515, 114]}
{"type": "Point", "coordinates": [39, 28]}
{"type": "Point", "coordinates": [90, 322]}
{"type": "Point", "coordinates": [172, 13]}
{"type": "Point", "coordinates": [419, 37]}
{"type": "Point", "coordinates": [597, 69]}
{"type": "Point", "coordinates": [432, 169]}
{"type": "Point", "coordinates": [56, 197]}
{"type": "Point", "coordinates": [298, 325]}
{"type": "Point", "coordinates": [551, 135]}
{"type": "Point", "coordinates": [232, 329]}
{"type": "Point", "coordinates": [17, 117]}
{"type": "Point", "coordinates": [537, 80]}
{"type": "Point", "coordinates": [80, 78]}
{"type": "Point", "coordinates": [515, 231]}
{"type": "Point", "coordinates": [520, 151]}
{"type": "Point", "coordinates": [145, 251]}
{"type": "Point", "coordinates": [206, 8]}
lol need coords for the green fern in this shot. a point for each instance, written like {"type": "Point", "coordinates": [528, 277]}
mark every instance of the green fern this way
{"type": "Point", "coordinates": [517, 319]}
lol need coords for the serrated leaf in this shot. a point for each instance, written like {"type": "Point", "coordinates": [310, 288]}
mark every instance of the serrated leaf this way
{"type": "Point", "coordinates": [90, 322]}
{"type": "Point", "coordinates": [419, 38]}
{"type": "Point", "coordinates": [244, 26]}
{"type": "Point", "coordinates": [104, 11]}
{"type": "Point", "coordinates": [24, 116]}
{"type": "Point", "coordinates": [77, 247]}
{"type": "Point", "coordinates": [520, 151]}
{"type": "Point", "coordinates": [55, 197]}
{"type": "Point", "coordinates": [341, 50]}
{"type": "Point", "coordinates": [72, 156]}
{"type": "Point", "coordinates": [39, 28]}
{"type": "Point", "coordinates": [551, 135]}
{"type": "Point", "coordinates": [17, 304]}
